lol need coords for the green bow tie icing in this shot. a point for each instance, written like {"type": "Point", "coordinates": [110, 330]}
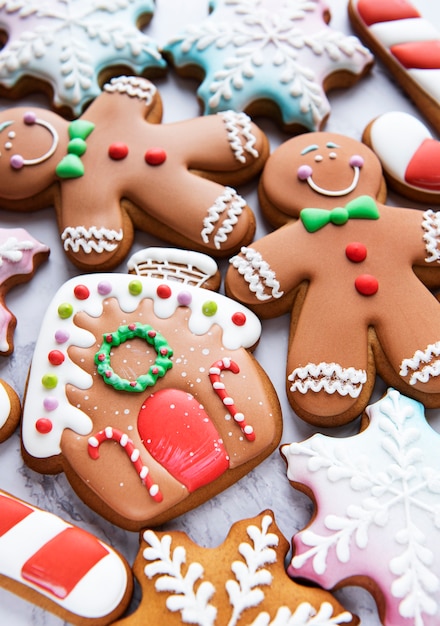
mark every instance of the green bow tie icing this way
{"type": "Point", "coordinates": [363, 207]}
{"type": "Point", "coordinates": [71, 165]}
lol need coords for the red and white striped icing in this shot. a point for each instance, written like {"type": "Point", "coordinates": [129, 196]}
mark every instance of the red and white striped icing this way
{"type": "Point", "coordinates": [66, 564]}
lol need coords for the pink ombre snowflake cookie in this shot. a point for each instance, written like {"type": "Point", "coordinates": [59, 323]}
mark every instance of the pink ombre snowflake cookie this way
{"type": "Point", "coordinates": [377, 519]}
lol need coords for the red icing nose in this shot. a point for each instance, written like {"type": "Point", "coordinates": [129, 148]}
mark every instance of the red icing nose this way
{"type": "Point", "coordinates": [178, 433]}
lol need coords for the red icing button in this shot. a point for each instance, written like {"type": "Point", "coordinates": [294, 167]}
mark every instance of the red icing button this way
{"type": "Point", "coordinates": [366, 284]}
{"type": "Point", "coordinates": [118, 151]}
{"type": "Point", "coordinates": [155, 156]}
{"type": "Point", "coordinates": [81, 292]}
{"type": "Point", "coordinates": [239, 319]}
{"type": "Point", "coordinates": [356, 252]}
{"type": "Point", "coordinates": [43, 425]}
{"type": "Point", "coordinates": [56, 357]}
{"type": "Point", "coordinates": [163, 291]}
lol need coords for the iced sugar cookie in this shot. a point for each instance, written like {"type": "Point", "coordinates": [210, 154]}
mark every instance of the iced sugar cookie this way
{"type": "Point", "coordinates": [240, 582]}
{"type": "Point", "coordinates": [376, 522]}
{"type": "Point", "coordinates": [116, 168]}
{"type": "Point", "coordinates": [352, 271]}
{"type": "Point", "coordinates": [143, 390]}
{"type": "Point", "coordinates": [10, 410]}
{"type": "Point", "coordinates": [68, 48]}
{"type": "Point", "coordinates": [274, 58]}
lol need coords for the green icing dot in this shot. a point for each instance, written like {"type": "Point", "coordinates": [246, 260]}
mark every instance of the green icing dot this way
{"type": "Point", "coordinates": [65, 310]}
{"type": "Point", "coordinates": [209, 308]}
{"type": "Point", "coordinates": [135, 287]}
{"type": "Point", "coordinates": [50, 381]}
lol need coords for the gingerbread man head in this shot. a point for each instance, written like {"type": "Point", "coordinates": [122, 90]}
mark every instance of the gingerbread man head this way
{"type": "Point", "coordinates": [115, 168]}
{"type": "Point", "coordinates": [351, 270]}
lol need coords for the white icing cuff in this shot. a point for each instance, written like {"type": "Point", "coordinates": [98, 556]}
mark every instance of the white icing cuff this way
{"type": "Point", "coordinates": [424, 365]}
{"type": "Point", "coordinates": [431, 226]}
{"type": "Point", "coordinates": [329, 377]}
{"type": "Point", "coordinates": [91, 239]}
{"type": "Point", "coordinates": [229, 202]}
{"type": "Point", "coordinates": [239, 129]}
{"type": "Point", "coordinates": [257, 273]}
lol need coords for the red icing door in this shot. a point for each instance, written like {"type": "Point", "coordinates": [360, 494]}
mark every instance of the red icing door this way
{"type": "Point", "coordinates": [178, 433]}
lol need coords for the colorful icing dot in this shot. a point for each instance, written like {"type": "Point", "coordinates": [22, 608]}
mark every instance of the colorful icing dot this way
{"type": "Point", "coordinates": [61, 336]}
{"type": "Point", "coordinates": [81, 292]}
{"type": "Point", "coordinates": [239, 318]}
{"type": "Point", "coordinates": [163, 291]}
{"type": "Point", "coordinates": [29, 118]}
{"type": "Point", "coordinates": [304, 171]}
{"type": "Point", "coordinates": [49, 381]}
{"type": "Point", "coordinates": [104, 288]}
{"type": "Point", "coordinates": [65, 310]}
{"type": "Point", "coordinates": [356, 252]}
{"type": "Point", "coordinates": [16, 161]}
{"type": "Point", "coordinates": [50, 404]}
{"type": "Point", "coordinates": [209, 308]}
{"type": "Point", "coordinates": [56, 357]}
{"type": "Point", "coordinates": [155, 156]}
{"type": "Point", "coordinates": [135, 287]}
{"type": "Point", "coordinates": [184, 298]}
{"type": "Point", "coordinates": [366, 284]}
{"type": "Point", "coordinates": [43, 425]}
{"type": "Point", "coordinates": [118, 151]}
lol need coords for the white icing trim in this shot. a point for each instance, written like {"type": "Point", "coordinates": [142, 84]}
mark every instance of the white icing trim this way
{"type": "Point", "coordinates": [421, 372]}
{"type": "Point", "coordinates": [91, 239]}
{"type": "Point", "coordinates": [401, 31]}
{"type": "Point", "coordinates": [431, 226]}
{"type": "Point", "coordinates": [329, 377]}
{"type": "Point", "coordinates": [257, 273]}
{"type": "Point", "coordinates": [339, 192]}
{"type": "Point", "coordinates": [239, 127]}
{"type": "Point", "coordinates": [132, 86]}
{"type": "Point", "coordinates": [230, 202]}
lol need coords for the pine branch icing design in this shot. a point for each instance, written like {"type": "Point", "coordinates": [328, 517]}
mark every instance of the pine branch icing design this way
{"type": "Point", "coordinates": [280, 50]}
{"type": "Point", "coordinates": [195, 597]}
{"type": "Point", "coordinates": [378, 509]}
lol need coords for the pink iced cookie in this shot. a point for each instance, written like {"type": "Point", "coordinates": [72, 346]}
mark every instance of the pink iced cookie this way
{"type": "Point", "coordinates": [377, 511]}
{"type": "Point", "coordinates": [60, 567]}
{"type": "Point", "coordinates": [409, 154]}
{"type": "Point", "coordinates": [20, 255]}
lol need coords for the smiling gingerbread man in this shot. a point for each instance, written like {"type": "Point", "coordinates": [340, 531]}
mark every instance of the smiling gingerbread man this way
{"type": "Point", "coordinates": [354, 274]}
{"type": "Point", "coordinates": [116, 168]}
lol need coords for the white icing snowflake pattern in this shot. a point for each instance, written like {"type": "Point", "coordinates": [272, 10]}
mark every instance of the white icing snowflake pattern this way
{"type": "Point", "coordinates": [68, 43]}
{"type": "Point", "coordinates": [378, 509]}
{"type": "Point", "coordinates": [278, 50]}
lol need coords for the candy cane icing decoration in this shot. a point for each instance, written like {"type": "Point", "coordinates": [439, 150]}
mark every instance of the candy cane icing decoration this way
{"type": "Point", "coordinates": [219, 387]}
{"type": "Point", "coordinates": [133, 453]}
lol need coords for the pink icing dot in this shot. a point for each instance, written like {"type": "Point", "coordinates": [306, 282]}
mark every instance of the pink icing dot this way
{"type": "Point", "coordinates": [356, 161]}
{"type": "Point", "coordinates": [104, 288]}
{"type": "Point", "coordinates": [50, 404]}
{"type": "Point", "coordinates": [184, 298]}
{"type": "Point", "coordinates": [61, 336]}
{"type": "Point", "coordinates": [16, 161]}
{"type": "Point", "coordinates": [304, 171]}
{"type": "Point", "coordinates": [29, 118]}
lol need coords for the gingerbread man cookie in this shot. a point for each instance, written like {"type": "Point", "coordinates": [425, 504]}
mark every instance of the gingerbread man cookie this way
{"type": "Point", "coordinates": [60, 567]}
{"type": "Point", "coordinates": [352, 271]}
{"type": "Point", "coordinates": [68, 48]}
{"type": "Point", "coordinates": [377, 511]}
{"type": "Point", "coordinates": [243, 581]}
{"type": "Point", "coordinates": [116, 168]}
{"type": "Point", "coordinates": [143, 390]}
{"type": "Point", "coordinates": [275, 58]}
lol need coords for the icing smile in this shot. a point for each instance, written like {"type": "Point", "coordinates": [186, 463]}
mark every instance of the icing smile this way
{"type": "Point", "coordinates": [305, 172]}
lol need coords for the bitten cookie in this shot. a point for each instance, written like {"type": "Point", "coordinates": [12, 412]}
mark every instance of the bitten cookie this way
{"type": "Point", "coordinates": [275, 58]}
{"type": "Point", "coordinates": [10, 410]}
{"type": "Point", "coordinates": [60, 567]}
{"type": "Point", "coordinates": [20, 256]}
{"type": "Point", "coordinates": [377, 511]}
{"type": "Point", "coordinates": [352, 272]}
{"type": "Point", "coordinates": [243, 581]}
{"type": "Point", "coordinates": [117, 168]}
{"type": "Point", "coordinates": [143, 390]}
{"type": "Point", "coordinates": [409, 154]}
{"type": "Point", "coordinates": [408, 45]}
{"type": "Point", "coordinates": [68, 48]}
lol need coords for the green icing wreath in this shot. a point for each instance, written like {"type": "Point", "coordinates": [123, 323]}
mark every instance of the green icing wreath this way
{"type": "Point", "coordinates": [124, 333]}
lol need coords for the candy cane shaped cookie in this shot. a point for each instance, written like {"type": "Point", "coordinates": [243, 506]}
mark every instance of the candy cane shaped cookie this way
{"type": "Point", "coordinates": [133, 453]}
{"type": "Point", "coordinates": [219, 387]}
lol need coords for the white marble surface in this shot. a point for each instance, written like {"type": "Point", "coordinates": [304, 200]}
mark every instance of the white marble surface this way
{"type": "Point", "coordinates": [266, 486]}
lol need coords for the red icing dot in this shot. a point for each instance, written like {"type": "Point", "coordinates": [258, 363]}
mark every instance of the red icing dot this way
{"type": "Point", "coordinates": [164, 291]}
{"type": "Point", "coordinates": [239, 319]}
{"type": "Point", "coordinates": [56, 357]}
{"type": "Point", "coordinates": [81, 292]}
{"type": "Point", "coordinates": [366, 284]}
{"type": "Point", "coordinates": [118, 151]}
{"type": "Point", "coordinates": [356, 252]}
{"type": "Point", "coordinates": [155, 156]}
{"type": "Point", "coordinates": [43, 425]}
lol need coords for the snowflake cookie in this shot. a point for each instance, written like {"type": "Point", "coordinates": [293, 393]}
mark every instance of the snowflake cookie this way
{"type": "Point", "coordinates": [269, 57]}
{"type": "Point", "coordinates": [377, 519]}
{"type": "Point", "coordinates": [65, 47]}
{"type": "Point", "coordinates": [241, 582]}
{"type": "Point", "coordinates": [143, 389]}
{"type": "Point", "coordinates": [354, 273]}
{"type": "Point", "coordinates": [117, 167]}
